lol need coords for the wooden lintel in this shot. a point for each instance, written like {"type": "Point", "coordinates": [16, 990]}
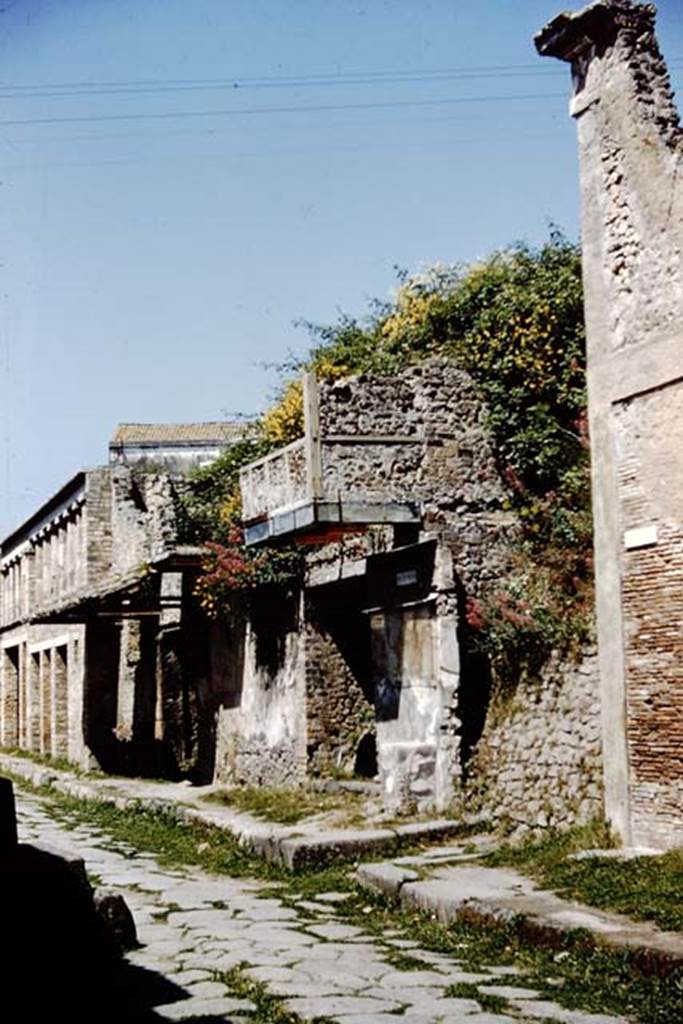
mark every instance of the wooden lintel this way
{"type": "Point", "coordinates": [126, 615]}
{"type": "Point", "coordinates": [373, 439]}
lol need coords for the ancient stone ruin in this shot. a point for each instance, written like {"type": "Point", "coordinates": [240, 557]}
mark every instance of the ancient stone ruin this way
{"type": "Point", "coordinates": [395, 496]}
{"type": "Point", "coordinates": [364, 666]}
{"type": "Point", "coordinates": [396, 493]}
{"type": "Point", "coordinates": [631, 160]}
{"type": "Point", "coordinates": [101, 641]}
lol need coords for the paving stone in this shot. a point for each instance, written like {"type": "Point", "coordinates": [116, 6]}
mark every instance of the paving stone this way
{"type": "Point", "coordinates": [187, 1009]}
{"type": "Point", "coordinates": [448, 1007]}
{"type": "Point", "coordinates": [206, 989]}
{"type": "Point", "coordinates": [259, 958]}
{"type": "Point", "coordinates": [416, 998]}
{"type": "Point", "coordinates": [275, 974]}
{"type": "Point", "coordinates": [188, 977]}
{"type": "Point", "coordinates": [308, 989]}
{"type": "Point", "coordinates": [266, 910]}
{"type": "Point", "coordinates": [311, 1007]}
{"type": "Point", "coordinates": [316, 908]}
{"type": "Point", "coordinates": [413, 979]}
{"type": "Point", "coordinates": [502, 972]}
{"type": "Point", "coordinates": [509, 991]}
{"type": "Point", "coordinates": [377, 1018]}
{"type": "Point", "coordinates": [218, 961]}
{"type": "Point", "coordinates": [324, 968]}
{"type": "Point", "coordinates": [334, 930]}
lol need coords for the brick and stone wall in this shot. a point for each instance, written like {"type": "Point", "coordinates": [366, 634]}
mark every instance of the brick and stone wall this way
{"type": "Point", "coordinates": [143, 524]}
{"type": "Point", "coordinates": [649, 439]}
{"type": "Point", "coordinates": [631, 163]}
{"type": "Point", "coordinates": [339, 695]}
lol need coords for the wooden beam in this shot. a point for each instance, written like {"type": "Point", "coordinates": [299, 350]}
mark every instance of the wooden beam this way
{"type": "Point", "coordinates": [312, 435]}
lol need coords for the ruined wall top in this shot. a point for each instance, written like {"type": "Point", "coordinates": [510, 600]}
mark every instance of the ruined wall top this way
{"type": "Point", "coordinates": [569, 35]}
{"type": "Point", "coordinates": [631, 150]}
{"type": "Point", "coordinates": [615, 32]}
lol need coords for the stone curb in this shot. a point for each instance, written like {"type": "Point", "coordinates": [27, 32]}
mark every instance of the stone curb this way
{"type": "Point", "coordinates": [295, 848]}
{"type": "Point", "coordinates": [536, 914]}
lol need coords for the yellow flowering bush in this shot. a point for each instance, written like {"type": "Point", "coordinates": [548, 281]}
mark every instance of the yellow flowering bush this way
{"type": "Point", "coordinates": [284, 421]}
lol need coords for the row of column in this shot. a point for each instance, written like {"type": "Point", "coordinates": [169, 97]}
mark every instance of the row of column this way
{"type": "Point", "coordinates": [34, 704]}
{"type": "Point", "coordinates": [54, 566]}
{"type": "Point", "coordinates": [14, 588]}
{"type": "Point", "coordinates": [60, 559]}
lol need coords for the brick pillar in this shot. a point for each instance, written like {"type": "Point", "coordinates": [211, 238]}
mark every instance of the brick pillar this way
{"type": "Point", "coordinates": [60, 708]}
{"type": "Point", "coordinates": [23, 709]}
{"type": "Point", "coordinates": [45, 701]}
{"type": "Point", "coordinates": [33, 701]}
{"type": "Point", "coordinates": [9, 699]}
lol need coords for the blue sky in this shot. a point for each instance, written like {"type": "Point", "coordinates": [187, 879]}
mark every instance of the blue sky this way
{"type": "Point", "coordinates": [181, 182]}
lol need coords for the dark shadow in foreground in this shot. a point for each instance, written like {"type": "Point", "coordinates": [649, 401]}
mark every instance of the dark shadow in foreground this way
{"type": "Point", "coordinates": [58, 960]}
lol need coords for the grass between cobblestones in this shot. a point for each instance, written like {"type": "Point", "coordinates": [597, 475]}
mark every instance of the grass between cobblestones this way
{"type": "Point", "coordinates": [467, 990]}
{"type": "Point", "coordinates": [647, 888]}
{"type": "Point", "coordinates": [269, 1008]}
{"type": "Point", "coordinates": [576, 973]}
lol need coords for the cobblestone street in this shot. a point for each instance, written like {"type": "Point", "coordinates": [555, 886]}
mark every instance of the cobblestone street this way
{"type": "Point", "coordinates": [195, 927]}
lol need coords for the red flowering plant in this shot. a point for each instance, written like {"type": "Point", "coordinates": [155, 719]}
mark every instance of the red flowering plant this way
{"type": "Point", "coordinates": [232, 572]}
{"type": "Point", "coordinates": [538, 610]}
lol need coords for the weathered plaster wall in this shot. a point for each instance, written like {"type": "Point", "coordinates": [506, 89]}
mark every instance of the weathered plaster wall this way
{"type": "Point", "coordinates": [631, 156]}
{"type": "Point", "coordinates": [538, 764]}
{"type": "Point", "coordinates": [261, 730]}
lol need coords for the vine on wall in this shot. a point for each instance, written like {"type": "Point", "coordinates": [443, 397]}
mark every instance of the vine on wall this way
{"type": "Point", "coordinates": [514, 321]}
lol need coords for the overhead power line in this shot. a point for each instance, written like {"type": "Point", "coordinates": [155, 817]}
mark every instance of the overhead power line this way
{"type": "Point", "coordinates": [132, 89]}
{"type": "Point", "coordinates": [333, 77]}
{"type": "Point", "coordinates": [398, 77]}
{"type": "Point", "coordinates": [299, 109]}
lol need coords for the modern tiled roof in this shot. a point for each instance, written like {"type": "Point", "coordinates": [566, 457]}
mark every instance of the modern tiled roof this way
{"type": "Point", "coordinates": [219, 431]}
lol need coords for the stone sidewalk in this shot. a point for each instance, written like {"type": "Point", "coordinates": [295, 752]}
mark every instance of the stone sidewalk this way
{"type": "Point", "coordinates": [445, 883]}
{"type": "Point", "coordinates": [309, 842]}
{"type": "Point", "coordinates": [196, 927]}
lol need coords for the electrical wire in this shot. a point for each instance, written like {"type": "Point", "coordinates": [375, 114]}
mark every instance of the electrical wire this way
{"type": "Point", "coordinates": [298, 109]}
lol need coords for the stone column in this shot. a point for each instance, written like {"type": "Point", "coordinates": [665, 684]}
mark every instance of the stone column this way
{"type": "Point", "coordinates": [169, 716]}
{"type": "Point", "coordinates": [77, 747]}
{"type": "Point", "coordinates": [631, 166]}
{"type": "Point", "coordinates": [129, 662]}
